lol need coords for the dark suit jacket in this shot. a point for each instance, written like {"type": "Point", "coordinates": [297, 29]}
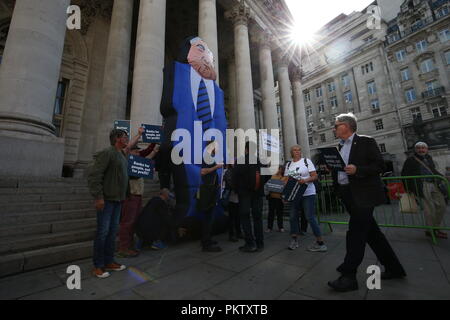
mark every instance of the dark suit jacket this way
{"type": "Point", "coordinates": [366, 186]}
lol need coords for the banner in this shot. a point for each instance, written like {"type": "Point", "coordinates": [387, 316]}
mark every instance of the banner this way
{"type": "Point", "coordinates": [152, 134]}
{"type": "Point", "coordinates": [124, 125]}
{"type": "Point", "coordinates": [140, 167]}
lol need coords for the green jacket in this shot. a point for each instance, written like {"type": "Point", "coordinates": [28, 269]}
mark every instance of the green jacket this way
{"type": "Point", "coordinates": [108, 177]}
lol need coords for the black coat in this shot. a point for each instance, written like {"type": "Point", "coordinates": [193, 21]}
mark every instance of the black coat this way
{"type": "Point", "coordinates": [244, 178]}
{"type": "Point", "coordinates": [366, 185]}
{"type": "Point", "coordinates": [412, 167]}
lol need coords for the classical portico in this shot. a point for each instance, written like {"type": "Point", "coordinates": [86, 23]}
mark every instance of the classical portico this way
{"type": "Point", "coordinates": [112, 69]}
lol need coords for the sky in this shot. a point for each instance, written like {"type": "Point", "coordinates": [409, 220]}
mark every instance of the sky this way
{"type": "Point", "coordinates": [311, 15]}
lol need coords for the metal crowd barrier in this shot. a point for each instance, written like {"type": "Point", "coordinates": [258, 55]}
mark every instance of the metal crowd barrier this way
{"type": "Point", "coordinates": [401, 211]}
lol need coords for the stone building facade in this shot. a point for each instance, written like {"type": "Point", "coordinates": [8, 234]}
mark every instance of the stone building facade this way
{"type": "Point", "coordinates": [353, 68]}
{"type": "Point", "coordinates": [113, 69]}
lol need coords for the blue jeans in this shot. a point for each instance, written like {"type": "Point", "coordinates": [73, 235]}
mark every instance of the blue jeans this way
{"type": "Point", "coordinates": [309, 207]}
{"type": "Point", "coordinates": [105, 238]}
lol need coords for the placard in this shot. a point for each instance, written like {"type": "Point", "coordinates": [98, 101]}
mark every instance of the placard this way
{"type": "Point", "coordinates": [270, 143]}
{"type": "Point", "coordinates": [152, 134]}
{"type": "Point", "coordinates": [275, 185]}
{"type": "Point", "coordinates": [333, 158]}
{"type": "Point", "coordinates": [124, 125]}
{"type": "Point", "coordinates": [140, 167]}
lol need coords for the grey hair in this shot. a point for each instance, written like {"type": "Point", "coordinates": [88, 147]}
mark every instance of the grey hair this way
{"type": "Point", "coordinates": [420, 144]}
{"type": "Point", "coordinates": [350, 119]}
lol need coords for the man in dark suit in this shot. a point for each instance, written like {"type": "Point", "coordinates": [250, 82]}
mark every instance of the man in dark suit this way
{"type": "Point", "coordinates": [361, 190]}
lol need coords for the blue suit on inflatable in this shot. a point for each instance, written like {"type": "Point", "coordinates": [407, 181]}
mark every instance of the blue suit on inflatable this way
{"type": "Point", "coordinates": [181, 106]}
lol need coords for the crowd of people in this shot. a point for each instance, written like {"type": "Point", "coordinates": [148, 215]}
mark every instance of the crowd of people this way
{"type": "Point", "coordinates": [118, 201]}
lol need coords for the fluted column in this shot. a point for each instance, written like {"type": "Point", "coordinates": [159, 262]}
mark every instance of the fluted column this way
{"type": "Point", "coordinates": [117, 65]}
{"type": "Point", "coordinates": [28, 81]}
{"type": "Point", "coordinates": [149, 64]}
{"type": "Point", "coordinates": [240, 16]}
{"type": "Point", "coordinates": [207, 28]}
{"type": "Point", "coordinates": [232, 108]}
{"type": "Point", "coordinates": [269, 105]}
{"type": "Point", "coordinates": [301, 123]}
{"type": "Point", "coordinates": [287, 107]}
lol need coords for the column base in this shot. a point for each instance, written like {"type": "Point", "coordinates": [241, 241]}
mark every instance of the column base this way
{"type": "Point", "coordinates": [29, 155]}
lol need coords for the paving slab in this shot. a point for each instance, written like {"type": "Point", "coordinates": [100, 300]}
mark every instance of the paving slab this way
{"type": "Point", "coordinates": [185, 285]}
{"type": "Point", "coordinates": [265, 281]}
{"type": "Point", "coordinates": [291, 296]}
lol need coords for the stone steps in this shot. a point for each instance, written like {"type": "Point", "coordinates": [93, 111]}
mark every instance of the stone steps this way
{"type": "Point", "coordinates": [36, 217]}
{"type": "Point", "coordinates": [34, 259]}
{"type": "Point", "coordinates": [47, 228]}
{"type": "Point", "coordinates": [18, 207]}
{"type": "Point", "coordinates": [19, 244]}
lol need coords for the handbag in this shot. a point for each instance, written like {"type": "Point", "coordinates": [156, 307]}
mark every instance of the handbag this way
{"type": "Point", "coordinates": [408, 203]}
{"type": "Point", "coordinates": [206, 196]}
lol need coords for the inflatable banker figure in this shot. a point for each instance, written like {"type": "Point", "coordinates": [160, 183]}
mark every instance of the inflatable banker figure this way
{"type": "Point", "coordinates": [192, 103]}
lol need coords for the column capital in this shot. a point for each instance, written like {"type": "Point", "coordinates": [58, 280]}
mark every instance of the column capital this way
{"type": "Point", "coordinates": [239, 14]}
{"type": "Point", "coordinates": [266, 40]}
{"type": "Point", "coordinates": [282, 59]}
{"type": "Point", "coordinates": [296, 74]}
{"type": "Point", "coordinates": [92, 8]}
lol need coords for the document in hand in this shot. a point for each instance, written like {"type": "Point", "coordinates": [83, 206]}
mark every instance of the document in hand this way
{"type": "Point", "coordinates": [333, 158]}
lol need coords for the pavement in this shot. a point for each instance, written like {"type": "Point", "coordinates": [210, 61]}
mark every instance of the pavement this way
{"type": "Point", "coordinates": [184, 272]}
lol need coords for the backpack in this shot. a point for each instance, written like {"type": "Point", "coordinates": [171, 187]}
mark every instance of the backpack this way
{"type": "Point", "coordinates": [316, 183]}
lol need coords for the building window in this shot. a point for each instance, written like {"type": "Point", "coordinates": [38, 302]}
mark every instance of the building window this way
{"type": "Point", "coordinates": [321, 107]}
{"type": "Point", "coordinates": [331, 87]}
{"type": "Point", "coordinates": [416, 114]}
{"type": "Point", "coordinates": [367, 68]}
{"type": "Point", "coordinates": [442, 12]}
{"type": "Point", "coordinates": [405, 74]}
{"type": "Point", "coordinates": [432, 85]}
{"type": "Point", "coordinates": [401, 55]}
{"type": "Point", "coordinates": [375, 104]}
{"type": "Point", "coordinates": [447, 57]}
{"type": "Point", "coordinates": [319, 92]}
{"type": "Point", "coordinates": [58, 113]}
{"type": "Point", "coordinates": [427, 66]}
{"type": "Point", "coordinates": [323, 138]}
{"type": "Point", "coordinates": [379, 124]}
{"type": "Point", "coordinates": [444, 35]}
{"type": "Point", "coordinates": [333, 102]}
{"type": "Point", "coordinates": [371, 88]}
{"type": "Point", "coordinates": [393, 37]}
{"type": "Point", "coordinates": [348, 97]}
{"type": "Point", "coordinates": [422, 46]}
{"type": "Point", "coordinates": [311, 141]}
{"type": "Point", "coordinates": [411, 95]}
{"type": "Point", "coordinates": [307, 96]}
{"type": "Point", "coordinates": [439, 110]}
{"type": "Point", "coordinates": [363, 70]}
{"type": "Point", "coordinates": [383, 148]}
{"type": "Point", "coordinates": [309, 111]}
{"type": "Point", "coordinates": [321, 124]}
{"type": "Point", "coordinates": [346, 80]}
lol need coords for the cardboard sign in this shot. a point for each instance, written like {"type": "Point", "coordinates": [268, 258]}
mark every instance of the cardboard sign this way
{"type": "Point", "coordinates": [270, 143]}
{"type": "Point", "coordinates": [140, 167]}
{"type": "Point", "coordinates": [333, 158]}
{"type": "Point", "coordinates": [293, 190]}
{"type": "Point", "coordinates": [275, 185]}
{"type": "Point", "coordinates": [124, 125]}
{"type": "Point", "coordinates": [152, 134]}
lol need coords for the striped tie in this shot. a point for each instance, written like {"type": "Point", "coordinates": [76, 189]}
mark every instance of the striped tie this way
{"type": "Point", "coordinates": [204, 107]}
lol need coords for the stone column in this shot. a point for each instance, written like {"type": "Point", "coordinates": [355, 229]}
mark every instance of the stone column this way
{"type": "Point", "coordinates": [269, 105]}
{"type": "Point", "coordinates": [287, 107]}
{"type": "Point", "coordinates": [149, 64]}
{"type": "Point", "coordinates": [301, 123]}
{"type": "Point", "coordinates": [117, 65]}
{"type": "Point", "coordinates": [207, 28]}
{"type": "Point", "coordinates": [28, 81]}
{"type": "Point", "coordinates": [232, 108]}
{"type": "Point", "coordinates": [240, 16]}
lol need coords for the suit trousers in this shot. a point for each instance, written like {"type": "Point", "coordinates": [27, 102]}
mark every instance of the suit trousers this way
{"type": "Point", "coordinates": [364, 229]}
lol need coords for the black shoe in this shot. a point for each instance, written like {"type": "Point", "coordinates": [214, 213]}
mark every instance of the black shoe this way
{"type": "Point", "coordinates": [387, 275]}
{"type": "Point", "coordinates": [212, 248]}
{"type": "Point", "coordinates": [344, 284]}
{"type": "Point", "coordinates": [248, 249]}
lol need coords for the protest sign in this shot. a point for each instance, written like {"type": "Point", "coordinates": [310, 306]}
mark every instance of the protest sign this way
{"type": "Point", "coordinates": [140, 167]}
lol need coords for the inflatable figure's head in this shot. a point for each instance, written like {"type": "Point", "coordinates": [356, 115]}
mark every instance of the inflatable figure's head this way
{"type": "Point", "coordinates": [195, 51]}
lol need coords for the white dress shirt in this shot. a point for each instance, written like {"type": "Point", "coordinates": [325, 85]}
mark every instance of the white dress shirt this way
{"type": "Point", "coordinates": [345, 153]}
{"type": "Point", "coordinates": [195, 83]}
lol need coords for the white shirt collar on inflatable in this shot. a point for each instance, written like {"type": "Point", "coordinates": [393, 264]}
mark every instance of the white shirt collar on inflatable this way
{"type": "Point", "coordinates": [195, 83]}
